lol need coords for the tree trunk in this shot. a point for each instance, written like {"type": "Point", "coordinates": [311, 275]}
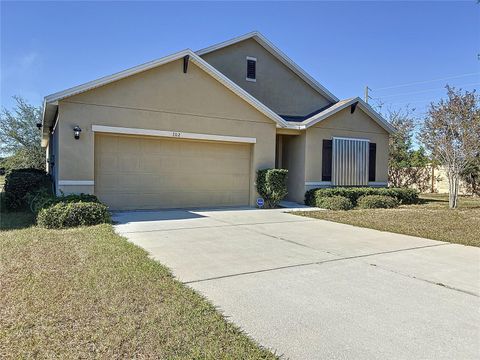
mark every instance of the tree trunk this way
{"type": "Point", "coordinates": [453, 182]}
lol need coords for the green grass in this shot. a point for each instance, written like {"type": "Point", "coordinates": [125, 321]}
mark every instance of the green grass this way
{"type": "Point", "coordinates": [430, 219]}
{"type": "Point", "coordinates": [88, 293]}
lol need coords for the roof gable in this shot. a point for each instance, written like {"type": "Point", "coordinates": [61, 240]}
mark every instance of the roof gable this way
{"type": "Point", "coordinates": [270, 47]}
{"type": "Point", "coordinates": [327, 113]}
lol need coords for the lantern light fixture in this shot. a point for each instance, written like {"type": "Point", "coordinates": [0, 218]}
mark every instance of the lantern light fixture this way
{"type": "Point", "coordinates": [77, 131]}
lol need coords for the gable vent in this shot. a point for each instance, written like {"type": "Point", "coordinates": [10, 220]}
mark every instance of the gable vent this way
{"type": "Point", "coordinates": [251, 68]}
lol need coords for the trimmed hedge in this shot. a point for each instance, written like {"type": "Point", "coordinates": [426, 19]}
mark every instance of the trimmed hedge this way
{"type": "Point", "coordinates": [377, 202]}
{"type": "Point", "coordinates": [272, 186]}
{"type": "Point", "coordinates": [72, 214]}
{"type": "Point", "coordinates": [335, 202]}
{"type": "Point", "coordinates": [21, 184]}
{"type": "Point", "coordinates": [43, 200]}
{"type": "Point", "coordinates": [403, 195]}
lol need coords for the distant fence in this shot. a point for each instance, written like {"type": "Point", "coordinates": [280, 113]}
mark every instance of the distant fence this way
{"type": "Point", "coordinates": [440, 182]}
{"type": "Point", "coordinates": [435, 180]}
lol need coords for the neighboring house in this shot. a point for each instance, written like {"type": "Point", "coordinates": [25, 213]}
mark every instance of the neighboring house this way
{"type": "Point", "coordinates": [191, 130]}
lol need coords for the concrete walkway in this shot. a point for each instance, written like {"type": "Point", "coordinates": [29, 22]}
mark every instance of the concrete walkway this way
{"type": "Point", "coordinates": [313, 289]}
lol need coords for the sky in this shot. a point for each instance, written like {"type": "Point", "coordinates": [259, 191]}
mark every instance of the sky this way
{"type": "Point", "coordinates": [406, 52]}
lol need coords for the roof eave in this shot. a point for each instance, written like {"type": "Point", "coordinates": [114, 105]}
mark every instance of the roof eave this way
{"type": "Point", "coordinates": [51, 101]}
{"type": "Point", "coordinates": [363, 105]}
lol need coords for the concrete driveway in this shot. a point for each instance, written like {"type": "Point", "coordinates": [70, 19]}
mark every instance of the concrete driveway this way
{"type": "Point", "coordinates": [312, 289]}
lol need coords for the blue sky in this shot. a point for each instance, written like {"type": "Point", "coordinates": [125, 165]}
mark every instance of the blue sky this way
{"type": "Point", "coordinates": [50, 46]}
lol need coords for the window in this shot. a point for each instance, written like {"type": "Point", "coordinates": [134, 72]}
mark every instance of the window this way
{"type": "Point", "coordinates": [350, 165]}
{"type": "Point", "coordinates": [251, 69]}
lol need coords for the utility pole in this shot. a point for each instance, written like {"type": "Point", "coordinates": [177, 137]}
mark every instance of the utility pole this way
{"type": "Point", "coordinates": [366, 94]}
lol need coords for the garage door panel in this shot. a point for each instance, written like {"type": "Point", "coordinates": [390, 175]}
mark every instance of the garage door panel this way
{"type": "Point", "coordinates": [142, 173]}
{"type": "Point", "coordinates": [108, 163]}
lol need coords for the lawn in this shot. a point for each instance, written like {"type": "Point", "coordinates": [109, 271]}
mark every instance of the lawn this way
{"type": "Point", "coordinates": [430, 219]}
{"type": "Point", "coordinates": [88, 293]}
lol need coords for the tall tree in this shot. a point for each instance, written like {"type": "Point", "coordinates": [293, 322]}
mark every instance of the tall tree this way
{"type": "Point", "coordinates": [407, 166]}
{"type": "Point", "coordinates": [19, 136]}
{"type": "Point", "coordinates": [451, 132]}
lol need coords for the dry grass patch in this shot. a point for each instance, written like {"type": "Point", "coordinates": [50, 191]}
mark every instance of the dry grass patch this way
{"type": "Point", "coordinates": [431, 219]}
{"type": "Point", "coordinates": [87, 292]}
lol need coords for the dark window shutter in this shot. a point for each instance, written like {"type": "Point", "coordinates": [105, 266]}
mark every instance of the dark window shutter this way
{"type": "Point", "coordinates": [251, 69]}
{"type": "Point", "coordinates": [327, 160]}
{"type": "Point", "coordinates": [372, 161]}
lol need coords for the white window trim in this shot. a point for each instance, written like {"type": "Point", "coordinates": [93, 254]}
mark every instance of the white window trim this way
{"type": "Point", "coordinates": [324, 183]}
{"type": "Point", "coordinates": [377, 183]}
{"type": "Point", "coordinates": [318, 183]}
{"type": "Point", "coordinates": [76, 182]}
{"type": "Point", "coordinates": [172, 134]}
{"type": "Point", "coordinates": [254, 59]}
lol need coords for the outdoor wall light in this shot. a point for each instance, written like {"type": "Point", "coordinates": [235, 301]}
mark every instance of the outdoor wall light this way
{"type": "Point", "coordinates": [77, 131]}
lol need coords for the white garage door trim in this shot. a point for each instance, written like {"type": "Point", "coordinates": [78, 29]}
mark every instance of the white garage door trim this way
{"type": "Point", "coordinates": [76, 182]}
{"type": "Point", "coordinates": [172, 134]}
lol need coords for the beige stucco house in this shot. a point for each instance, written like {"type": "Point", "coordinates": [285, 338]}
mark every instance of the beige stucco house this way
{"type": "Point", "coordinates": [192, 128]}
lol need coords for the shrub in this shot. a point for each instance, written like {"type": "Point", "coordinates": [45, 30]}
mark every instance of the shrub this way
{"type": "Point", "coordinates": [272, 186]}
{"type": "Point", "coordinates": [377, 201]}
{"type": "Point", "coordinates": [47, 202]}
{"type": "Point", "coordinates": [42, 200]}
{"type": "Point", "coordinates": [21, 184]}
{"type": "Point", "coordinates": [335, 202]}
{"type": "Point", "coordinates": [71, 214]}
{"type": "Point", "coordinates": [403, 195]}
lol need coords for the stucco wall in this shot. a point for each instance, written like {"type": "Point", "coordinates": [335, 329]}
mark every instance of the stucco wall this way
{"type": "Point", "coordinates": [294, 161]}
{"type": "Point", "coordinates": [345, 124]}
{"type": "Point", "coordinates": [163, 98]}
{"type": "Point", "coordinates": [277, 86]}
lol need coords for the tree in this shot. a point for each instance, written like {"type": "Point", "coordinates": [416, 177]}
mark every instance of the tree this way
{"type": "Point", "coordinates": [471, 176]}
{"type": "Point", "coordinates": [407, 166]}
{"type": "Point", "coordinates": [20, 138]}
{"type": "Point", "coordinates": [451, 132]}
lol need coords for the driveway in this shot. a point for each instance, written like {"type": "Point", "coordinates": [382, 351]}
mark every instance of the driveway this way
{"type": "Point", "coordinates": [313, 289]}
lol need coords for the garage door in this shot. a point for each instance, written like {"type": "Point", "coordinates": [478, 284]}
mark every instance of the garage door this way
{"type": "Point", "coordinates": [151, 173]}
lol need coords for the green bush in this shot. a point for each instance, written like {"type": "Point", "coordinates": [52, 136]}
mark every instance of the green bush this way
{"type": "Point", "coordinates": [403, 195]}
{"type": "Point", "coordinates": [335, 202]}
{"type": "Point", "coordinates": [42, 200]}
{"type": "Point", "coordinates": [71, 214]}
{"type": "Point", "coordinates": [21, 184]}
{"type": "Point", "coordinates": [272, 186]}
{"type": "Point", "coordinates": [377, 201]}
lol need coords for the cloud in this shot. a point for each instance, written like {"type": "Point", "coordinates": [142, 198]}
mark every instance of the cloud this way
{"type": "Point", "coordinates": [29, 60]}
{"type": "Point", "coordinates": [21, 75]}
{"type": "Point", "coordinates": [20, 66]}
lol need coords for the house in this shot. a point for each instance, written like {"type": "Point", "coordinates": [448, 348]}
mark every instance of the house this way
{"type": "Point", "coordinates": [192, 128]}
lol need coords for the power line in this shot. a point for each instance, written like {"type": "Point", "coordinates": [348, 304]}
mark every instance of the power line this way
{"type": "Point", "coordinates": [427, 81]}
{"type": "Point", "coordinates": [422, 91]}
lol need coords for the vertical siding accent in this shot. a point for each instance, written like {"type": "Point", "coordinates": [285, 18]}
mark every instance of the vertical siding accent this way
{"type": "Point", "coordinates": [350, 162]}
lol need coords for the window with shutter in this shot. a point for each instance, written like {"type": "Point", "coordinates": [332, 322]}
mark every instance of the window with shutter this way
{"type": "Point", "coordinates": [350, 162]}
{"type": "Point", "coordinates": [251, 68]}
